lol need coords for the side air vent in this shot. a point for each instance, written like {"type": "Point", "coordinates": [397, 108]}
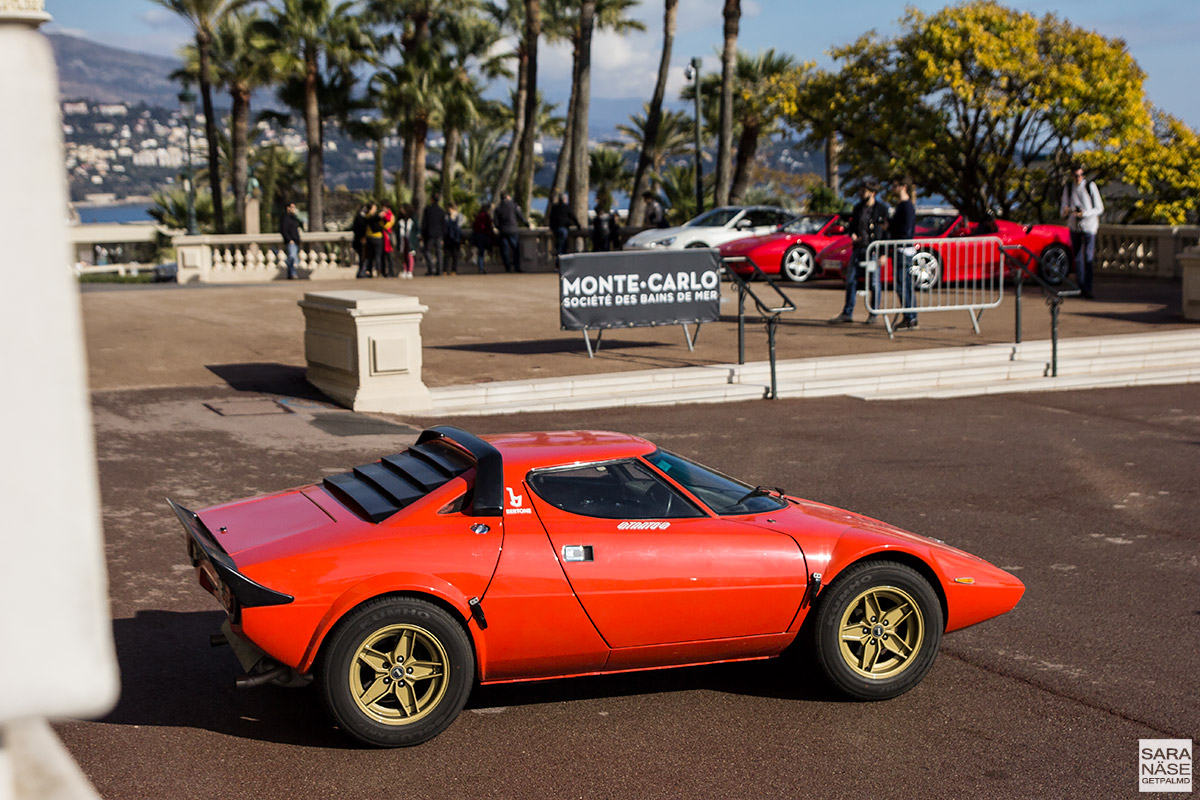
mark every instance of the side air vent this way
{"type": "Point", "coordinates": [378, 490]}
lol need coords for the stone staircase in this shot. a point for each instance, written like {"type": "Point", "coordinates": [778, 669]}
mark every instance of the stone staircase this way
{"type": "Point", "coordinates": [1092, 362]}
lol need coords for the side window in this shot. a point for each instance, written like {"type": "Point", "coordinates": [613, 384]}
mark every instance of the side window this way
{"type": "Point", "coordinates": [615, 490]}
{"type": "Point", "coordinates": [761, 216]}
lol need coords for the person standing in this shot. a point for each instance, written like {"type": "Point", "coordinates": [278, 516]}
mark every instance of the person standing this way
{"type": "Point", "coordinates": [482, 232]}
{"type": "Point", "coordinates": [655, 216]}
{"type": "Point", "coordinates": [454, 237]}
{"type": "Point", "coordinates": [1082, 207]}
{"type": "Point", "coordinates": [404, 244]}
{"type": "Point", "coordinates": [374, 243]}
{"type": "Point", "coordinates": [387, 268]}
{"type": "Point", "coordinates": [903, 227]}
{"type": "Point", "coordinates": [604, 226]}
{"type": "Point", "coordinates": [433, 231]}
{"type": "Point", "coordinates": [561, 219]}
{"type": "Point", "coordinates": [509, 220]}
{"type": "Point", "coordinates": [290, 230]}
{"type": "Point", "coordinates": [868, 222]}
{"type": "Point", "coordinates": [359, 230]}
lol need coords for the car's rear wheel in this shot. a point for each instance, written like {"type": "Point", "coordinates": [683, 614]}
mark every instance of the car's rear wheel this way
{"type": "Point", "coordinates": [396, 672]}
{"type": "Point", "coordinates": [1055, 264]}
{"type": "Point", "coordinates": [926, 270]}
{"type": "Point", "coordinates": [694, 246]}
{"type": "Point", "coordinates": [877, 631]}
{"type": "Point", "coordinates": [799, 263]}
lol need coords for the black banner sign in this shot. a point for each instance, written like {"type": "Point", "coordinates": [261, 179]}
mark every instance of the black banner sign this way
{"type": "Point", "coordinates": [639, 288]}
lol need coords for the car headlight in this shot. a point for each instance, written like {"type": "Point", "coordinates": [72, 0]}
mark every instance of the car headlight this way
{"type": "Point", "coordinates": [667, 242]}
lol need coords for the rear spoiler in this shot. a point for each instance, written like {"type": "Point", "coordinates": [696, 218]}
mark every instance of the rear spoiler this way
{"type": "Point", "coordinates": [207, 549]}
{"type": "Point", "coordinates": [489, 468]}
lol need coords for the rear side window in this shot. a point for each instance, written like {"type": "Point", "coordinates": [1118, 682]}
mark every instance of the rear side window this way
{"type": "Point", "coordinates": [614, 490]}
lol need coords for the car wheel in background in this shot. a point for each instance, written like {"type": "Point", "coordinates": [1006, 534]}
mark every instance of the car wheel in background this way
{"type": "Point", "coordinates": [799, 263]}
{"type": "Point", "coordinates": [694, 245]}
{"type": "Point", "coordinates": [1055, 264]}
{"type": "Point", "coordinates": [926, 270]}
{"type": "Point", "coordinates": [877, 630]}
{"type": "Point", "coordinates": [396, 671]}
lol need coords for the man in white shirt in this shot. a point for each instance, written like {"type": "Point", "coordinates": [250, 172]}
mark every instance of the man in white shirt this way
{"type": "Point", "coordinates": [1082, 207]}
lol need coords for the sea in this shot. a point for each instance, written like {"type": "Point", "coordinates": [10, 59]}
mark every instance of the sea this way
{"type": "Point", "coordinates": [118, 212]}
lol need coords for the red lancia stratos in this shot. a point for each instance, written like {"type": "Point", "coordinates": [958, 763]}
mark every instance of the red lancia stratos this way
{"type": "Point", "coordinates": [404, 582]}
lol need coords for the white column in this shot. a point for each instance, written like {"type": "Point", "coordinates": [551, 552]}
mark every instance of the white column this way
{"type": "Point", "coordinates": [55, 628]}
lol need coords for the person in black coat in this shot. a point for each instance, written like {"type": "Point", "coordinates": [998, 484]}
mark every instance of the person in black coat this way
{"type": "Point", "coordinates": [509, 220]}
{"type": "Point", "coordinates": [561, 220]}
{"type": "Point", "coordinates": [433, 231]}
{"type": "Point", "coordinates": [868, 223]}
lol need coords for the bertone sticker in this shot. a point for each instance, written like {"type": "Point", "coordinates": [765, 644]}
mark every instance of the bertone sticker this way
{"type": "Point", "coordinates": [643, 526]}
{"type": "Point", "coordinates": [516, 502]}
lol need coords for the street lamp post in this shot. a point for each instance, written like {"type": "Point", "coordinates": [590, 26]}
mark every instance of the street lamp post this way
{"type": "Point", "coordinates": [692, 73]}
{"type": "Point", "coordinates": [187, 110]}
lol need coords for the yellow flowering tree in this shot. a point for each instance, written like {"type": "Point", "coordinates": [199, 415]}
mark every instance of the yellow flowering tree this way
{"type": "Point", "coordinates": [984, 106]}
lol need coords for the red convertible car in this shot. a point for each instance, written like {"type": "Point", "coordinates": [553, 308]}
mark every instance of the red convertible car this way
{"type": "Point", "coordinates": [402, 583]}
{"type": "Point", "coordinates": [942, 262]}
{"type": "Point", "coordinates": [790, 252]}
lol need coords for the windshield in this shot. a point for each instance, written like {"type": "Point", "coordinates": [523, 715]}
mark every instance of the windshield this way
{"type": "Point", "coordinates": [717, 218]}
{"type": "Point", "coordinates": [934, 224]}
{"type": "Point", "coordinates": [809, 223]}
{"type": "Point", "coordinates": [722, 494]}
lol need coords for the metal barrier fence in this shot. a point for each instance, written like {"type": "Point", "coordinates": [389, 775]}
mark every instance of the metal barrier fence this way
{"type": "Point", "coordinates": [914, 276]}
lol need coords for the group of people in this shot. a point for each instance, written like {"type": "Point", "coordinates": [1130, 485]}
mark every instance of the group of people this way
{"type": "Point", "coordinates": [870, 221]}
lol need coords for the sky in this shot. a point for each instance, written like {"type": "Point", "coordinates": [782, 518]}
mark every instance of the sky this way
{"type": "Point", "coordinates": [1161, 35]}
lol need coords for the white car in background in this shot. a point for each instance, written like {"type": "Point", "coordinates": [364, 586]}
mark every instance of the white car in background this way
{"type": "Point", "coordinates": [712, 228]}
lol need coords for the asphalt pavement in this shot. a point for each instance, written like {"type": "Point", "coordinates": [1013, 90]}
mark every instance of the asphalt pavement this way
{"type": "Point", "coordinates": [1089, 497]}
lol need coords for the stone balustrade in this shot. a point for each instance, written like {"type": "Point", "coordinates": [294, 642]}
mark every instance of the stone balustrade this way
{"type": "Point", "coordinates": [1148, 250]}
{"type": "Point", "coordinates": [254, 258]}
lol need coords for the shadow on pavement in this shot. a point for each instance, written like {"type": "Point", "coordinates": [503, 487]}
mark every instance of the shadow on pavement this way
{"type": "Point", "coordinates": [269, 378]}
{"type": "Point", "coordinates": [172, 677]}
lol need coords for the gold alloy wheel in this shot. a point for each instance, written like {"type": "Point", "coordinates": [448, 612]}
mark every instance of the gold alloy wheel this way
{"type": "Point", "coordinates": [881, 632]}
{"type": "Point", "coordinates": [399, 674]}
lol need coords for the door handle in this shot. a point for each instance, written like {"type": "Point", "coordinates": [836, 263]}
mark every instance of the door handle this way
{"type": "Point", "coordinates": [577, 552]}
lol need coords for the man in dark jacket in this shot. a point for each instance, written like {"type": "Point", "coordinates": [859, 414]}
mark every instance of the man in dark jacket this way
{"type": "Point", "coordinates": [290, 230]}
{"type": "Point", "coordinates": [902, 228]}
{"type": "Point", "coordinates": [433, 230]}
{"type": "Point", "coordinates": [868, 223]}
{"type": "Point", "coordinates": [509, 220]}
{"type": "Point", "coordinates": [561, 220]}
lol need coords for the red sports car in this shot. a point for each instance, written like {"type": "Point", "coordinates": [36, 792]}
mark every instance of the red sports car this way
{"type": "Point", "coordinates": [790, 252]}
{"type": "Point", "coordinates": [400, 584]}
{"type": "Point", "coordinates": [943, 262]}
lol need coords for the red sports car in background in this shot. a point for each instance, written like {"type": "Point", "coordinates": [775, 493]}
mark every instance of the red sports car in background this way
{"type": "Point", "coordinates": [790, 252]}
{"type": "Point", "coordinates": [402, 583]}
{"type": "Point", "coordinates": [936, 264]}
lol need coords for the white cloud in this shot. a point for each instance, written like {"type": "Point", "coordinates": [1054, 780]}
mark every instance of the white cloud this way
{"type": "Point", "coordinates": [160, 19]}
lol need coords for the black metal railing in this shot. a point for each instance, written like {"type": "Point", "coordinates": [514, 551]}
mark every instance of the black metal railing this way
{"type": "Point", "coordinates": [1055, 295]}
{"type": "Point", "coordinates": [769, 313]}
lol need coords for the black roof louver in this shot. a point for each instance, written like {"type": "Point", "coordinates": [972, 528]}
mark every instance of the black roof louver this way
{"type": "Point", "coordinates": [378, 490]}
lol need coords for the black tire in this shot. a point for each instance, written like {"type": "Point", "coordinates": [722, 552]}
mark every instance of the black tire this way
{"type": "Point", "coordinates": [1054, 264]}
{"type": "Point", "coordinates": [422, 681]}
{"type": "Point", "coordinates": [926, 270]}
{"type": "Point", "coordinates": [694, 246]}
{"type": "Point", "coordinates": [874, 657]}
{"type": "Point", "coordinates": [799, 264]}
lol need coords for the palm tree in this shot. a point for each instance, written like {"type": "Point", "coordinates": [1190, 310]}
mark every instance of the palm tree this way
{"type": "Point", "coordinates": [509, 16]}
{"type": "Point", "coordinates": [565, 22]}
{"type": "Point", "coordinates": [374, 130]}
{"type": "Point", "coordinates": [471, 40]}
{"type": "Point", "coordinates": [525, 167]}
{"type": "Point", "coordinates": [672, 138]}
{"type": "Point", "coordinates": [482, 154]}
{"type": "Point", "coordinates": [654, 121]}
{"type": "Point", "coordinates": [240, 65]}
{"type": "Point", "coordinates": [300, 33]}
{"type": "Point", "coordinates": [733, 13]}
{"type": "Point", "coordinates": [412, 91]}
{"type": "Point", "coordinates": [280, 175]}
{"type": "Point", "coordinates": [607, 171]}
{"type": "Point", "coordinates": [204, 16]}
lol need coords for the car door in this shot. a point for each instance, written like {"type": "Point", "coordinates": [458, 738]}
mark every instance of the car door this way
{"type": "Point", "coordinates": [651, 567]}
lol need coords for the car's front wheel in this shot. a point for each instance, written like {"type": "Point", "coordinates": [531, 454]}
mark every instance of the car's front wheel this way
{"type": "Point", "coordinates": [799, 263]}
{"type": "Point", "coordinates": [397, 671]}
{"type": "Point", "coordinates": [877, 630]}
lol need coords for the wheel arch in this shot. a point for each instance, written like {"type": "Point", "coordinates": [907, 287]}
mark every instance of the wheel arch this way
{"type": "Point", "coordinates": [837, 567]}
{"type": "Point", "coordinates": [430, 589]}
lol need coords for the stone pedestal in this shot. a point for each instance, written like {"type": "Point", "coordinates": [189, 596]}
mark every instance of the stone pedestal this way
{"type": "Point", "coordinates": [363, 349]}
{"type": "Point", "coordinates": [1189, 266]}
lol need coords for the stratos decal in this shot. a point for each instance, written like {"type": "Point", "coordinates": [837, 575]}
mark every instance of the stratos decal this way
{"type": "Point", "coordinates": [643, 526]}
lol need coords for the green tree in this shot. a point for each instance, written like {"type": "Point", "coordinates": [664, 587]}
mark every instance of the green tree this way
{"type": "Point", "coordinates": [204, 16]}
{"type": "Point", "coordinates": [733, 15]}
{"type": "Point", "coordinates": [607, 171]}
{"type": "Point", "coordinates": [648, 159]}
{"type": "Point", "coordinates": [972, 101]}
{"type": "Point", "coordinates": [241, 65]}
{"type": "Point", "coordinates": [300, 35]}
{"type": "Point", "coordinates": [672, 139]}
